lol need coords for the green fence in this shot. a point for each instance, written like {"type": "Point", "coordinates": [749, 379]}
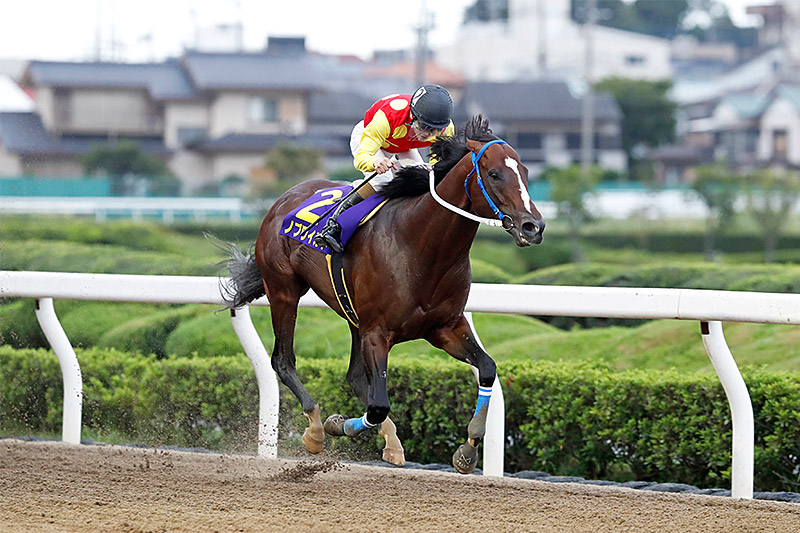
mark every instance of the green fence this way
{"type": "Point", "coordinates": [43, 186]}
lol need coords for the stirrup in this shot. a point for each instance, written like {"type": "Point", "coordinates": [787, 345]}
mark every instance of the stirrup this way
{"type": "Point", "coordinates": [330, 241]}
{"type": "Point", "coordinates": [329, 237]}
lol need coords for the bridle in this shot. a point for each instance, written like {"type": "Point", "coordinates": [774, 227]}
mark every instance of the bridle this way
{"type": "Point", "coordinates": [503, 220]}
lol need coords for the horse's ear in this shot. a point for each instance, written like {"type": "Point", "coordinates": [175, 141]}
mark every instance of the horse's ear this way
{"type": "Point", "coordinates": [474, 146]}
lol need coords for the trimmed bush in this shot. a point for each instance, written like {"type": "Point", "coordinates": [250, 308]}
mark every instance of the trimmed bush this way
{"type": "Point", "coordinates": [63, 256]}
{"type": "Point", "coordinates": [149, 334]}
{"type": "Point", "coordinates": [564, 418]}
{"type": "Point", "coordinates": [483, 272]}
{"type": "Point", "coordinates": [133, 235]}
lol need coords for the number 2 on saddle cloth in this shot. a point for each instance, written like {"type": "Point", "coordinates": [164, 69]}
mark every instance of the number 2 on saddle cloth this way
{"type": "Point", "coordinates": [303, 223]}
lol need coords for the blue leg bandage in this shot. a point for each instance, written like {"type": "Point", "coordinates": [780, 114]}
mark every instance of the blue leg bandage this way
{"type": "Point", "coordinates": [484, 394]}
{"type": "Point", "coordinates": [354, 426]}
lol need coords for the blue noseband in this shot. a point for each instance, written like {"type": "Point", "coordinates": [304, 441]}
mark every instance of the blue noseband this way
{"type": "Point", "coordinates": [475, 169]}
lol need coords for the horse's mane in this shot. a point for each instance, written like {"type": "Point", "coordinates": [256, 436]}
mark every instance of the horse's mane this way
{"type": "Point", "coordinates": [447, 151]}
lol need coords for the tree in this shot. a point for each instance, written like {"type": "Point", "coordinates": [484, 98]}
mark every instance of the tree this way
{"type": "Point", "coordinates": [648, 115]}
{"type": "Point", "coordinates": [719, 190]}
{"type": "Point", "coordinates": [653, 17]}
{"type": "Point", "coordinates": [125, 164]}
{"type": "Point", "coordinates": [770, 199]}
{"type": "Point", "coordinates": [292, 163]}
{"type": "Point", "coordinates": [569, 188]}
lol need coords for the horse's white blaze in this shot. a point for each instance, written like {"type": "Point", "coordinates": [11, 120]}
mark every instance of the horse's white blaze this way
{"type": "Point", "coordinates": [523, 191]}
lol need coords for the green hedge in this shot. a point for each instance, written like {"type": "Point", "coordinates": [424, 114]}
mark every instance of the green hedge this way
{"type": "Point", "coordinates": [567, 419]}
{"type": "Point", "coordinates": [785, 278]}
{"type": "Point", "coordinates": [63, 256]}
{"type": "Point", "coordinates": [132, 235]}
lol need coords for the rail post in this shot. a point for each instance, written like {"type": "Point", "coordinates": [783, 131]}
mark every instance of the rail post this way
{"type": "Point", "coordinates": [268, 392]}
{"type": "Point", "coordinates": [70, 369]}
{"type": "Point", "coordinates": [741, 408]}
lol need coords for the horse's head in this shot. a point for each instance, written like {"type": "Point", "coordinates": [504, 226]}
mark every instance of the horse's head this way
{"type": "Point", "coordinates": [498, 186]}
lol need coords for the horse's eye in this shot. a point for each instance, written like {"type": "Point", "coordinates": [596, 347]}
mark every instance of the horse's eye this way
{"type": "Point", "coordinates": [494, 175]}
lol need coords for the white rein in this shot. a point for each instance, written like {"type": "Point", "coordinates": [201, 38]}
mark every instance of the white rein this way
{"type": "Point", "coordinates": [454, 209]}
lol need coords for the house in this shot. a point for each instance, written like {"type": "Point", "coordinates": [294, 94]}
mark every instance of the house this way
{"type": "Point", "coordinates": [747, 116]}
{"type": "Point", "coordinates": [535, 39]}
{"type": "Point", "coordinates": [211, 116]}
{"type": "Point", "coordinates": [542, 120]}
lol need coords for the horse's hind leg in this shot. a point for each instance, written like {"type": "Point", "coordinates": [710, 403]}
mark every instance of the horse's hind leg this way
{"type": "Point", "coordinates": [393, 452]}
{"type": "Point", "coordinates": [460, 342]}
{"type": "Point", "coordinates": [283, 304]}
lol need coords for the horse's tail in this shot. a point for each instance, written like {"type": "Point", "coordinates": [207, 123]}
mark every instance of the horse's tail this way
{"type": "Point", "coordinates": [244, 283]}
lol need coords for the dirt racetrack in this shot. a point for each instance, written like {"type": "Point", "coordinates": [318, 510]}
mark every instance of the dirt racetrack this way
{"type": "Point", "coordinates": [51, 486]}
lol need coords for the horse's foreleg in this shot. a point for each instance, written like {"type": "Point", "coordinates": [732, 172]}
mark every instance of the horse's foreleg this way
{"type": "Point", "coordinates": [367, 376]}
{"type": "Point", "coordinates": [393, 452]}
{"type": "Point", "coordinates": [460, 342]}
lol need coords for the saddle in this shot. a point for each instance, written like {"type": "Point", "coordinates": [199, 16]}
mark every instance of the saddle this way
{"type": "Point", "coordinates": [303, 223]}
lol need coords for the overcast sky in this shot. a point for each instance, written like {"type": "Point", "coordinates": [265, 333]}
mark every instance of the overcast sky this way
{"type": "Point", "coordinates": [147, 30]}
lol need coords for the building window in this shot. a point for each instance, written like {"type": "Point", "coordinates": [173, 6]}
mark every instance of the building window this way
{"type": "Point", "coordinates": [779, 144]}
{"type": "Point", "coordinates": [751, 141]}
{"type": "Point", "coordinates": [188, 136]}
{"type": "Point", "coordinates": [263, 109]}
{"type": "Point", "coordinates": [635, 61]}
{"type": "Point", "coordinates": [529, 140]}
{"type": "Point", "coordinates": [62, 108]}
{"type": "Point", "coordinates": [574, 141]}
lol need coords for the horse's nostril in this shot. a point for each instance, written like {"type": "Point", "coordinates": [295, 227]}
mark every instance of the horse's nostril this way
{"type": "Point", "coordinates": [528, 227]}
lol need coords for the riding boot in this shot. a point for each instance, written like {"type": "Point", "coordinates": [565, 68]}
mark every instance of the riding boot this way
{"type": "Point", "coordinates": [331, 234]}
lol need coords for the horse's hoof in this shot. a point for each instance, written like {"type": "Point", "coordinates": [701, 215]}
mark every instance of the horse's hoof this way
{"type": "Point", "coordinates": [334, 425]}
{"type": "Point", "coordinates": [313, 442]}
{"type": "Point", "coordinates": [466, 458]}
{"type": "Point", "coordinates": [395, 457]}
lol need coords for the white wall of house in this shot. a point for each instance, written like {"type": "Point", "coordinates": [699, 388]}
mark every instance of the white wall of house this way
{"type": "Point", "coordinates": [725, 116]}
{"type": "Point", "coordinates": [233, 112]}
{"type": "Point", "coordinates": [239, 164]}
{"type": "Point", "coordinates": [45, 106]}
{"type": "Point", "coordinates": [615, 160]}
{"type": "Point", "coordinates": [112, 111]}
{"type": "Point", "coordinates": [52, 166]}
{"type": "Point", "coordinates": [183, 115]}
{"type": "Point", "coordinates": [10, 164]}
{"type": "Point", "coordinates": [555, 150]}
{"type": "Point", "coordinates": [194, 170]}
{"type": "Point", "coordinates": [781, 115]}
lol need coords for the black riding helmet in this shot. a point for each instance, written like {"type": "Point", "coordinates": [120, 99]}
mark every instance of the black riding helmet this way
{"type": "Point", "coordinates": [432, 106]}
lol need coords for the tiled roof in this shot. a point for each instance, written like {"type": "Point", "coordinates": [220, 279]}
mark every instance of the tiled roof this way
{"type": "Point", "coordinates": [163, 80]}
{"type": "Point", "coordinates": [522, 101]}
{"type": "Point", "coordinates": [262, 143]}
{"type": "Point", "coordinates": [24, 134]}
{"type": "Point", "coordinates": [338, 107]}
{"type": "Point", "coordinates": [252, 71]}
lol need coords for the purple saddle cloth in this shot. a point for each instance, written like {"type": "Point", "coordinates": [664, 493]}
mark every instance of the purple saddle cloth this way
{"type": "Point", "coordinates": [307, 216]}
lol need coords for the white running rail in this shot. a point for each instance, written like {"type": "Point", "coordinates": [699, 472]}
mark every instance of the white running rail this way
{"type": "Point", "coordinates": [708, 307]}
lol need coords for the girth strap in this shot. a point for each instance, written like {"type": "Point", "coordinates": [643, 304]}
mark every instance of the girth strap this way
{"type": "Point", "coordinates": [336, 271]}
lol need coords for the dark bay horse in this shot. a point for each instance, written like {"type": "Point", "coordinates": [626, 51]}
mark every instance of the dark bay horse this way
{"type": "Point", "coordinates": [408, 275]}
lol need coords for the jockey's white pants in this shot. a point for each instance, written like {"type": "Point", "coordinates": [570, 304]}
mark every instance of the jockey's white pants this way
{"type": "Point", "coordinates": [381, 179]}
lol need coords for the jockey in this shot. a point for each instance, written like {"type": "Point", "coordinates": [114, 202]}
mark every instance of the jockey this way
{"type": "Point", "coordinates": [397, 124]}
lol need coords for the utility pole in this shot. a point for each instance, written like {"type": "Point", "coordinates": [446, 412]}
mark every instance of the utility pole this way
{"type": "Point", "coordinates": [421, 55]}
{"type": "Point", "coordinates": [541, 38]}
{"type": "Point", "coordinates": [587, 119]}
